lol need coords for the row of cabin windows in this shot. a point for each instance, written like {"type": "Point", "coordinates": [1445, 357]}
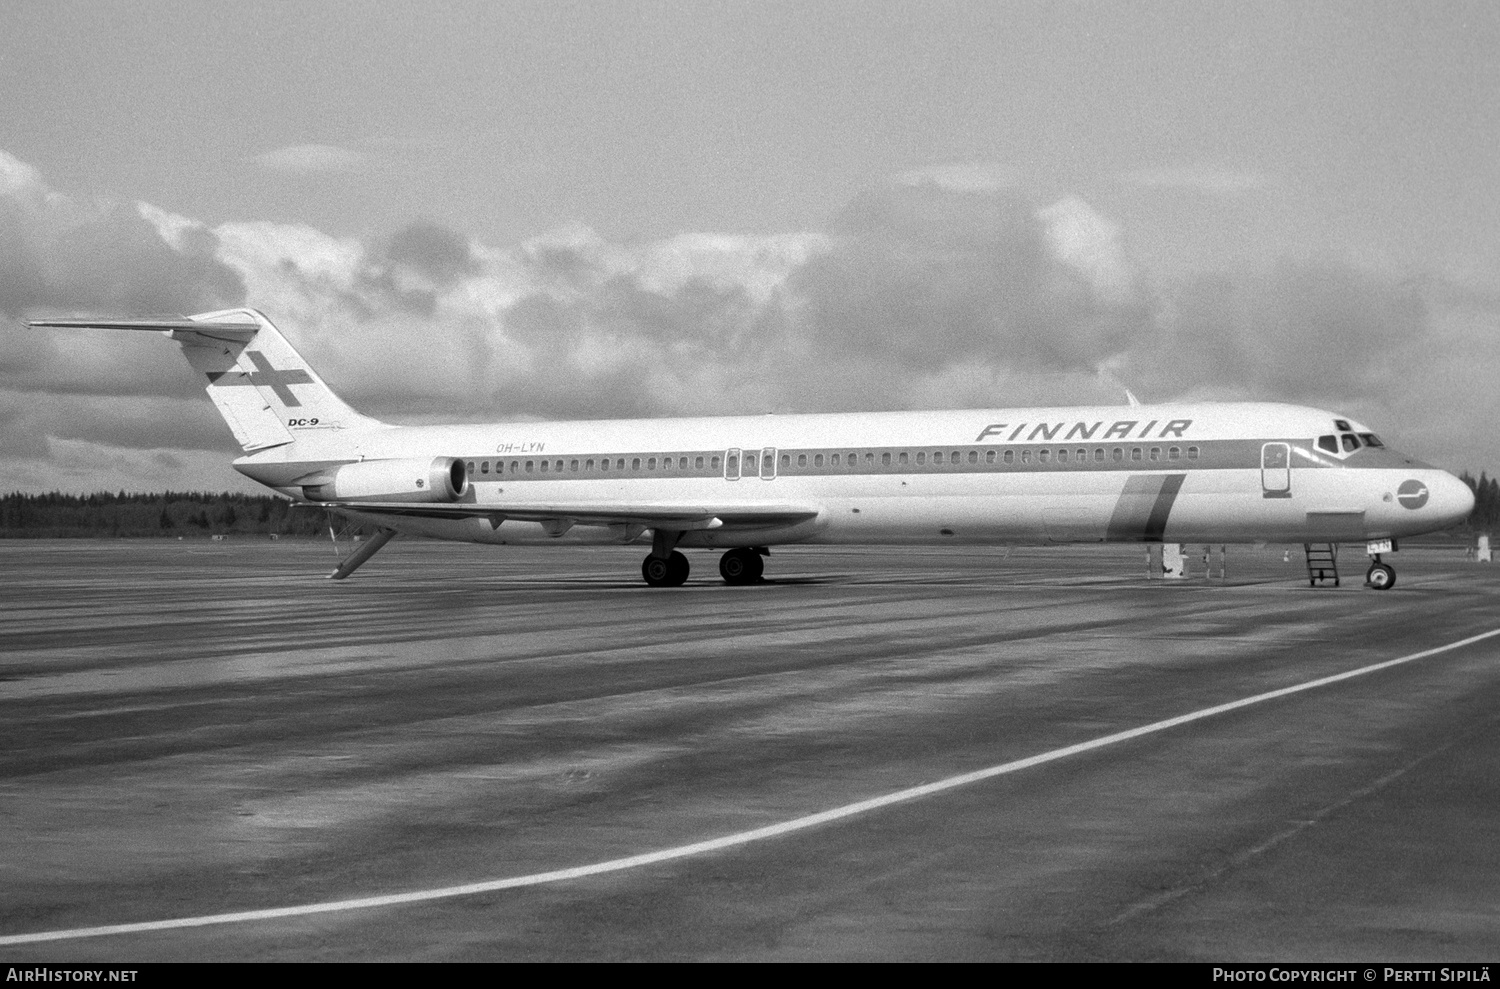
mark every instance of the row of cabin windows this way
{"type": "Point", "coordinates": [575, 465]}
{"type": "Point", "coordinates": [1025, 456]}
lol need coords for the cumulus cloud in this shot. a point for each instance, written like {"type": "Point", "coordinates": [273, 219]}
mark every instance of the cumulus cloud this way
{"type": "Point", "coordinates": [944, 287]}
{"type": "Point", "coordinates": [66, 253]}
{"type": "Point", "coordinates": [312, 158]}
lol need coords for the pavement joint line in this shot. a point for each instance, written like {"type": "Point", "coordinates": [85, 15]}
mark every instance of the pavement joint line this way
{"type": "Point", "coordinates": [731, 840]}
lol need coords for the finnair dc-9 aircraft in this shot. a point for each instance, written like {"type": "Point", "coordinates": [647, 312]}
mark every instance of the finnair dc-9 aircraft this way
{"type": "Point", "coordinates": [1205, 472]}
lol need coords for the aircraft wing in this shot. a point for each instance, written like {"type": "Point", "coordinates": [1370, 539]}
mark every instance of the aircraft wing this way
{"type": "Point", "coordinates": [670, 516]}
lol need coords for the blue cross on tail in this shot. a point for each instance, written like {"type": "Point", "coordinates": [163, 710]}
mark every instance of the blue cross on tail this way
{"type": "Point", "coordinates": [273, 378]}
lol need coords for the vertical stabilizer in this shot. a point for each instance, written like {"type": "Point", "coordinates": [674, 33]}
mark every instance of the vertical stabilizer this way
{"type": "Point", "coordinates": [262, 387]}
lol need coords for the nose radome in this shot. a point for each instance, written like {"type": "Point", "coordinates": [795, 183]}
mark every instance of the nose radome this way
{"type": "Point", "coordinates": [1451, 498]}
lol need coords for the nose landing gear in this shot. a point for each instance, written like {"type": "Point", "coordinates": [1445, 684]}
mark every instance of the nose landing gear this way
{"type": "Point", "coordinates": [1380, 576]}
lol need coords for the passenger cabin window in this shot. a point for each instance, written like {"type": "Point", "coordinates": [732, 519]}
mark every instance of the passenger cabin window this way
{"type": "Point", "coordinates": [1010, 456]}
{"type": "Point", "coordinates": [801, 460]}
{"type": "Point", "coordinates": [1042, 455]}
{"type": "Point", "coordinates": [484, 468]}
{"type": "Point", "coordinates": [1156, 453]}
{"type": "Point", "coordinates": [1192, 453]}
{"type": "Point", "coordinates": [1118, 454]}
{"type": "Point", "coordinates": [1062, 456]}
{"type": "Point", "coordinates": [902, 458]}
{"type": "Point", "coordinates": [635, 463]}
{"type": "Point", "coordinates": [697, 463]}
{"type": "Point", "coordinates": [817, 460]}
{"type": "Point", "coordinates": [922, 458]}
{"type": "Point", "coordinates": [544, 466]}
{"type": "Point", "coordinates": [885, 460]}
{"type": "Point", "coordinates": [714, 464]}
{"type": "Point", "coordinates": [1135, 453]}
{"type": "Point", "coordinates": [989, 456]}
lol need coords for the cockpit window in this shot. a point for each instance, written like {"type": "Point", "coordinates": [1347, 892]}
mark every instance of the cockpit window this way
{"type": "Point", "coordinates": [1329, 443]}
{"type": "Point", "coordinates": [1371, 439]}
{"type": "Point", "coordinates": [1342, 425]}
{"type": "Point", "coordinates": [1351, 443]}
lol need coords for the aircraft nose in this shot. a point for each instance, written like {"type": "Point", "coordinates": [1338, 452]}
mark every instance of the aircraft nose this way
{"type": "Point", "coordinates": [1451, 500]}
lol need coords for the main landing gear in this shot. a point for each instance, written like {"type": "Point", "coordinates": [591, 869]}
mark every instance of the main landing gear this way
{"type": "Point", "coordinates": [668, 571]}
{"type": "Point", "coordinates": [741, 566]}
{"type": "Point", "coordinates": [738, 566]}
{"type": "Point", "coordinates": [1381, 576]}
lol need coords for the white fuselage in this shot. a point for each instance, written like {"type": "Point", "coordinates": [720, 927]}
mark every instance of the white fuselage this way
{"type": "Point", "coordinates": [1221, 472]}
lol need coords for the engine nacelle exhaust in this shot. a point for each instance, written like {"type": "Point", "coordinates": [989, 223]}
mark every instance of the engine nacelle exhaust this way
{"type": "Point", "coordinates": [420, 479]}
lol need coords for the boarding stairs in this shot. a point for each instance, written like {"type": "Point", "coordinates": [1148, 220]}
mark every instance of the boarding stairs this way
{"type": "Point", "coordinates": [1322, 563]}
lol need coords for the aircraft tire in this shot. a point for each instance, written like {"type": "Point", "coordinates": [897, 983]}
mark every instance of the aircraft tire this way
{"type": "Point", "coordinates": [677, 569]}
{"type": "Point", "coordinates": [1381, 576]}
{"type": "Point", "coordinates": [741, 566]}
{"type": "Point", "coordinates": [669, 572]}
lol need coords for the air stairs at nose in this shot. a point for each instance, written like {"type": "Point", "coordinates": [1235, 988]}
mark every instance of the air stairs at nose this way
{"type": "Point", "coordinates": [1322, 563]}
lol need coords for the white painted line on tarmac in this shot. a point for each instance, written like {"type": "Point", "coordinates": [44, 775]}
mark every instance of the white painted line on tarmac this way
{"type": "Point", "coordinates": [727, 841]}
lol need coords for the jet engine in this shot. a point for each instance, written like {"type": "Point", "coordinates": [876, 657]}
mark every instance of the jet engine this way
{"type": "Point", "coordinates": [415, 480]}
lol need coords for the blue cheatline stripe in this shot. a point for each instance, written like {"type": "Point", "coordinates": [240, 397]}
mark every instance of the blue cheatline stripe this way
{"type": "Point", "coordinates": [731, 840]}
{"type": "Point", "coordinates": [1156, 524]}
{"type": "Point", "coordinates": [1142, 510]}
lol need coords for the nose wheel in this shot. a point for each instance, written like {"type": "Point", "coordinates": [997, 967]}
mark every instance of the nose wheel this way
{"type": "Point", "coordinates": [665, 571]}
{"type": "Point", "coordinates": [1380, 576]}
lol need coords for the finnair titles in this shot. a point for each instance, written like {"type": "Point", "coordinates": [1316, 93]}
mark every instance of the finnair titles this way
{"type": "Point", "coordinates": [1210, 472]}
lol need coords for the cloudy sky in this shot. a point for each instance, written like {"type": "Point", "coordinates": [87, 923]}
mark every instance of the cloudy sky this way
{"type": "Point", "coordinates": [488, 210]}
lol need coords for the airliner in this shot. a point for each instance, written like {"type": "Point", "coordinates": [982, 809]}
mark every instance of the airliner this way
{"type": "Point", "coordinates": [1203, 472]}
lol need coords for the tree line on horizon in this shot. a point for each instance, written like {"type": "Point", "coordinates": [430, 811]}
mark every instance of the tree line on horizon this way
{"type": "Point", "coordinates": [1486, 514]}
{"type": "Point", "coordinates": [200, 513]}
{"type": "Point", "coordinates": [189, 514]}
